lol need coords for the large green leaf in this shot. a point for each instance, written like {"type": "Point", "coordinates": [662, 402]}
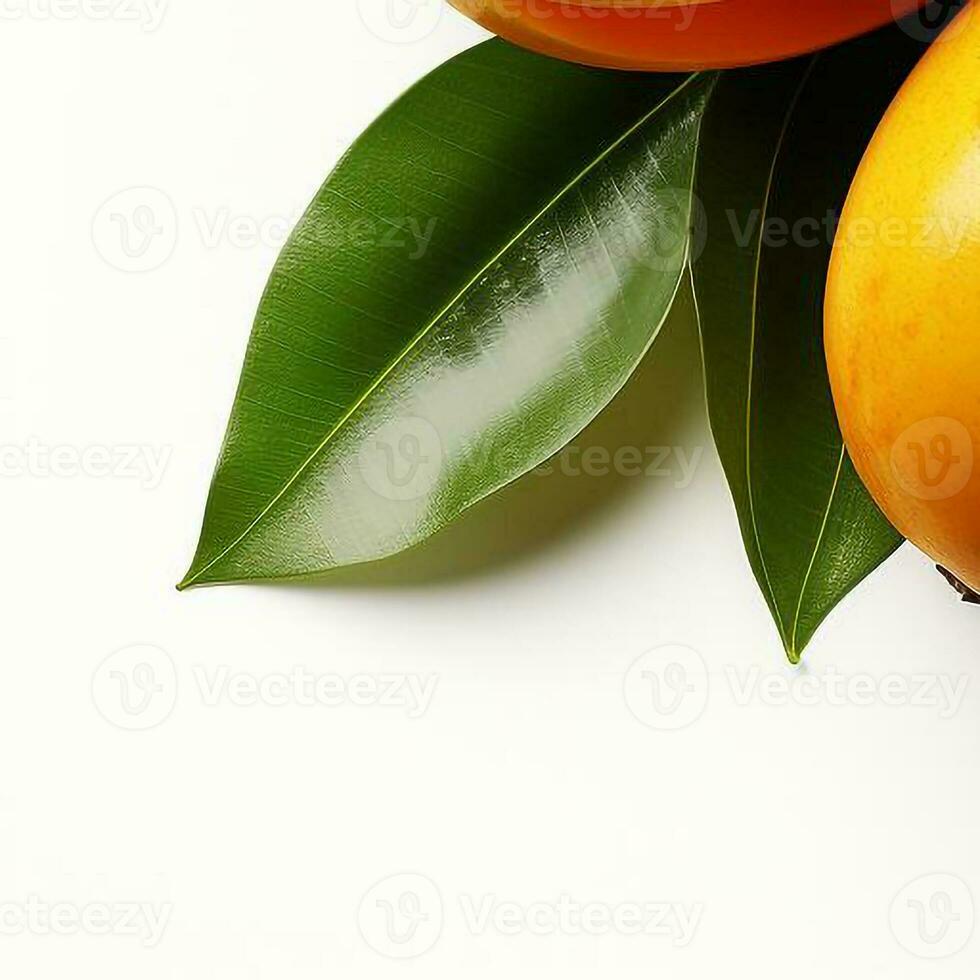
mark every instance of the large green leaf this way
{"type": "Point", "coordinates": [779, 148]}
{"type": "Point", "coordinates": [471, 286]}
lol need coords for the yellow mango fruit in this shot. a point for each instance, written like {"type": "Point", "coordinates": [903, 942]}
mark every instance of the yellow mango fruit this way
{"type": "Point", "coordinates": [902, 312]}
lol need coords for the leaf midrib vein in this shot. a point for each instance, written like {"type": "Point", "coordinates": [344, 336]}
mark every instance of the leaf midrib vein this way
{"type": "Point", "coordinates": [752, 345]}
{"type": "Point", "coordinates": [816, 549]}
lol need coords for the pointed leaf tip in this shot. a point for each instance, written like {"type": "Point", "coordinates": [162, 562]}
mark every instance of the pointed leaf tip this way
{"type": "Point", "coordinates": [780, 145]}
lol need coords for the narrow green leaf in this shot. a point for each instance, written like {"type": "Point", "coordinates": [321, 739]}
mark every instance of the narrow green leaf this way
{"type": "Point", "coordinates": [779, 148]}
{"type": "Point", "coordinates": [472, 285]}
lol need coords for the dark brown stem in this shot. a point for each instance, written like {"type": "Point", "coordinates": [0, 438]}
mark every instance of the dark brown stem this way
{"type": "Point", "coordinates": [964, 590]}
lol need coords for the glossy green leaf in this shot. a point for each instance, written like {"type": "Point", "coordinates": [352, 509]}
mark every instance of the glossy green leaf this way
{"type": "Point", "coordinates": [472, 285]}
{"type": "Point", "coordinates": [779, 148]}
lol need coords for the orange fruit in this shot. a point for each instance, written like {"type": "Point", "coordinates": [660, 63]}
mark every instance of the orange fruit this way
{"type": "Point", "coordinates": [680, 34]}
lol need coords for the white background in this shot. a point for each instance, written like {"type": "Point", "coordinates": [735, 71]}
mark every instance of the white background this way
{"type": "Point", "coordinates": [788, 825]}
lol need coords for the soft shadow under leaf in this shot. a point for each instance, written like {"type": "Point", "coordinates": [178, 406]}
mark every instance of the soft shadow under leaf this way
{"type": "Point", "coordinates": [549, 508]}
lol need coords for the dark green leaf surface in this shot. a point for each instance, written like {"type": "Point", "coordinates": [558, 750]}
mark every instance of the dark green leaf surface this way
{"type": "Point", "coordinates": [471, 286]}
{"type": "Point", "coordinates": [779, 148]}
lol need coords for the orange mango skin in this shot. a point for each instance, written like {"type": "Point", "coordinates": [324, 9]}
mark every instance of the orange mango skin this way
{"type": "Point", "coordinates": [680, 35]}
{"type": "Point", "coordinates": [902, 313]}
